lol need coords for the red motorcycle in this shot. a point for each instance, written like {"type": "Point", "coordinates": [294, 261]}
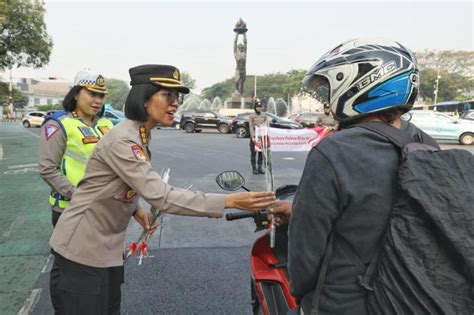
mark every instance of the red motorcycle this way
{"type": "Point", "coordinates": [270, 288]}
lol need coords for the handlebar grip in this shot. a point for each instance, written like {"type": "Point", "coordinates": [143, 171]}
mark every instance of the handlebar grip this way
{"type": "Point", "coordinates": [239, 215]}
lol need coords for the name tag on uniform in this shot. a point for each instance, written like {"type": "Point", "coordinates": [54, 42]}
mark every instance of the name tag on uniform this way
{"type": "Point", "coordinates": [89, 136]}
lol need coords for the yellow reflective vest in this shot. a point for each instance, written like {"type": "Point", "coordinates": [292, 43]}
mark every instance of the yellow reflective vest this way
{"type": "Point", "coordinates": [80, 142]}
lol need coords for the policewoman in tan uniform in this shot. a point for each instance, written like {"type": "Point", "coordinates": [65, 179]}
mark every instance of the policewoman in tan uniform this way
{"type": "Point", "coordinates": [66, 142]}
{"type": "Point", "coordinates": [89, 237]}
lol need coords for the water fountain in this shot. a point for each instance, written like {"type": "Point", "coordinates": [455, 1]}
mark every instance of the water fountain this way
{"type": "Point", "coordinates": [278, 107]}
{"type": "Point", "coordinates": [204, 105]}
{"type": "Point", "coordinates": [216, 104]}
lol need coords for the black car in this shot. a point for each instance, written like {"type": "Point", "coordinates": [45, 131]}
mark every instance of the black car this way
{"type": "Point", "coordinates": [197, 120]}
{"type": "Point", "coordinates": [240, 124]}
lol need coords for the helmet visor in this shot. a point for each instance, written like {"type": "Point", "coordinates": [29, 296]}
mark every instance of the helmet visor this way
{"type": "Point", "coordinates": [318, 87]}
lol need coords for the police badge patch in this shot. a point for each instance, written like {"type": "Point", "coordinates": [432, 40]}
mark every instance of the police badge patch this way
{"type": "Point", "coordinates": [138, 152]}
{"type": "Point", "coordinates": [50, 130]}
{"type": "Point", "coordinates": [103, 129]}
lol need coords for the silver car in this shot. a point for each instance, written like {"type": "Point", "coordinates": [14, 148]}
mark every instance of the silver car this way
{"type": "Point", "coordinates": [441, 126]}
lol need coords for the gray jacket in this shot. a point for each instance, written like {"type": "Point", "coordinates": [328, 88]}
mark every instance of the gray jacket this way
{"type": "Point", "coordinates": [347, 186]}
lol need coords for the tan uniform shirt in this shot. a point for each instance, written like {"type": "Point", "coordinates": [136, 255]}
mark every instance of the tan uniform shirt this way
{"type": "Point", "coordinates": [256, 121]}
{"type": "Point", "coordinates": [91, 230]}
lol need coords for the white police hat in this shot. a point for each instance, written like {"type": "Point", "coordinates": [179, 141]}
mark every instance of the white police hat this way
{"type": "Point", "coordinates": [92, 81]}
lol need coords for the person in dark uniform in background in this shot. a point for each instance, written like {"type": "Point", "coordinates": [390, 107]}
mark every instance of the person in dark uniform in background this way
{"type": "Point", "coordinates": [66, 142]}
{"type": "Point", "coordinates": [257, 119]}
{"type": "Point", "coordinates": [89, 237]}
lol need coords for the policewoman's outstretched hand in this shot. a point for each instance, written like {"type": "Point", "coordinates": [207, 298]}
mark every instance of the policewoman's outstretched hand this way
{"type": "Point", "coordinates": [250, 201]}
{"type": "Point", "coordinates": [143, 217]}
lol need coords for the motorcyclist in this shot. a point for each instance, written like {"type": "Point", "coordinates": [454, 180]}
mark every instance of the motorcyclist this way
{"type": "Point", "coordinates": [347, 186]}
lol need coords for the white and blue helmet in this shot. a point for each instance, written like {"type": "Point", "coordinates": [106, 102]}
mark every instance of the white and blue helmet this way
{"type": "Point", "coordinates": [364, 76]}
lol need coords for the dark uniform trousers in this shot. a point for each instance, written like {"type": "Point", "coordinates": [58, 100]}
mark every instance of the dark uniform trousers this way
{"type": "Point", "coordinates": [88, 290]}
{"type": "Point", "coordinates": [54, 274]}
{"type": "Point", "coordinates": [253, 155]}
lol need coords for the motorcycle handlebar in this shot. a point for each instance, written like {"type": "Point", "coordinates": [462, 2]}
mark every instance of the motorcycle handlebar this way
{"type": "Point", "coordinates": [240, 215]}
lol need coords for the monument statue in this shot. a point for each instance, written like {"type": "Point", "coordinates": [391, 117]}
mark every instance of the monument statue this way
{"type": "Point", "coordinates": [240, 54]}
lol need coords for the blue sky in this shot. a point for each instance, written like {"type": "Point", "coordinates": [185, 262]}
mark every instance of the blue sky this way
{"type": "Point", "coordinates": [197, 37]}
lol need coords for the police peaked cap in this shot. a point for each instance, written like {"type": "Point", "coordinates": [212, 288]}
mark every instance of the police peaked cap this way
{"type": "Point", "coordinates": [161, 75]}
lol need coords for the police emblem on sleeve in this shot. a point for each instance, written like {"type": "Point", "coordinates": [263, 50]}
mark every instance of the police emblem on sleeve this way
{"type": "Point", "coordinates": [138, 152]}
{"type": "Point", "coordinates": [50, 130]}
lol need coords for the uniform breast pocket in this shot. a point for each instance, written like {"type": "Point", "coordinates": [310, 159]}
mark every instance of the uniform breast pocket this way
{"type": "Point", "coordinates": [126, 195]}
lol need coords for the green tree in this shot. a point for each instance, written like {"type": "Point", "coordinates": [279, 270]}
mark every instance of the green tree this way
{"type": "Point", "coordinates": [187, 80]}
{"type": "Point", "coordinates": [451, 86]}
{"type": "Point", "coordinates": [118, 91]}
{"type": "Point", "coordinates": [45, 108]}
{"type": "Point", "coordinates": [20, 100]}
{"type": "Point", "coordinates": [24, 41]}
{"type": "Point", "coordinates": [276, 85]}
{"type": "Point", "coordinates": [455, 62]}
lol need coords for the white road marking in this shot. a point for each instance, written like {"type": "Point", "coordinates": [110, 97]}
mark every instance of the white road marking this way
{"type": "Point", "coordinates": [48, 265]}
{"type": "Point", "coordinates": [1, 152]}
{"type": "Point", "coordinates": [22, 166]}
{"type": "Point", "coordinates": [14, 137]}
{"type": "Point", "coordinates": [33, 134]}
{"type": "Point", "coordinates": [30, 302]}
{"type": "Point", "coordinates": [288, 158]}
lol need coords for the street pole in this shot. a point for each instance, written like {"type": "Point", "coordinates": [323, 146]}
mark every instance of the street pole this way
{"type": "Point", "coordinates": [10, 90]}
{"type": "Point", "coordinates": [436, 88]}
{"type": "Point", "coordinates": [255, 88]}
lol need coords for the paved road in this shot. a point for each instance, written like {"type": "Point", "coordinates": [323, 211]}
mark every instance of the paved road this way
{"type": "Point", "coordinates": [200, 265]}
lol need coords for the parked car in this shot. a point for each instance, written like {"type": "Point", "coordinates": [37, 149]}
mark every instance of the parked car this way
{"type": "Point", "coordinates": [240, 124]}
{"type": "Point", "coordinates": [441, 126]}
{"type": "Point", "coordinates": [33, 119]}
{"type": "Point", "coordinates": [195, 121]}
{"type": "Point", "coordinates": [115, 116]}
{"type": "Point", "coordinates": [468, 115]}
{"type": "Point", "coordinates": [308, 120]}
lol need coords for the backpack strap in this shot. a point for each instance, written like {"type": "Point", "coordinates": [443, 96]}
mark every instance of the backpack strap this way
{"type": "Point", "coordinates": [366, 273]}
{"type": "Point", "coordinates": [322, 275]}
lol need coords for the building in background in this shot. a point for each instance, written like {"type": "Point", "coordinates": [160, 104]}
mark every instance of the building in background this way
{"type": "Point", "coordinates": [43, 92]}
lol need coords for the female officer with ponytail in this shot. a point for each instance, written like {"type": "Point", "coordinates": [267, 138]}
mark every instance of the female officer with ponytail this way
{"type": "Point", "coordinates": [66, 143]}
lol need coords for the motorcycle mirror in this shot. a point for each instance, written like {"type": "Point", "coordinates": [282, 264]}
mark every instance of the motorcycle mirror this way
{"type": "Point", "coordinates": [230, 180]}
